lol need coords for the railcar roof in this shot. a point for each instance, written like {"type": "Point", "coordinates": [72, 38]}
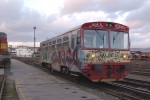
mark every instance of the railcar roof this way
{"type": "Point", "coordinates": [2, 34]}
{"type": "Point", "coordinates": [64, 33]}
{"type": "Point", "coordinates": [80, 26]}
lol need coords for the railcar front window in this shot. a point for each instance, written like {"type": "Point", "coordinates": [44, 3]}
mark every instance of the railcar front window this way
{"type": "Point", "coordinates": [118, 40]}
{"type": "Point", "coordinates": [95, 39]}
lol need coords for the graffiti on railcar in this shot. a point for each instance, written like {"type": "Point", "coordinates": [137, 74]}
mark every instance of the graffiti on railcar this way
{"type": "Point", "coordinates": [77, 57]}
{"type": "Point", "coordinates": [68, 57]}
{"type": "Point", "coordinates": [102, 56]}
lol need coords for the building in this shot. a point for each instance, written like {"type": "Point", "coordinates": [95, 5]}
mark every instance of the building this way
{"type": "Point", "coordinates": [140, 55]}
{"type": "Point", "coordinates": [12, 51]}
{"type": "Point", "coordinates": [25, 51]}
{"type": "Point", "coordinates": [136, 54]}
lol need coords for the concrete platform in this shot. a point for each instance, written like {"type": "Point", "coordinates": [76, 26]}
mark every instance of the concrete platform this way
{"type": "Point", "coordinates": [139, 77]}
{"type": "Point", "coordinates": [1, 71]}
{"type": "Point", "coordinates": [33, 84]}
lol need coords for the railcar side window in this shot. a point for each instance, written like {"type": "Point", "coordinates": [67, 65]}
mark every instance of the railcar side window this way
{"type": "Point", "coordinates": [59, 41]}
{"type": "Point", "coordinates": [49, 43]}
{"type": "Point", "coordinates": [72, 41]}
{"type": "Point", "coordinates": [54, 42]}
{"type": "Point", "coordinates": [78, 37]}
{"type": "Point", "coordinates": [65, 39]}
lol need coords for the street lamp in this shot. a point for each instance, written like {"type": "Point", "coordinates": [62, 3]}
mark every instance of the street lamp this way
{"type": "Point", "coordinates": [34, 38]}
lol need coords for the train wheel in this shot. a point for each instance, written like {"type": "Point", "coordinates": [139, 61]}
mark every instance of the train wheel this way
{"type": "Point", "coordinates": [50, 67]}
{"type": "Point", "coordinates": [67, 72]}
{"type": "Point", "coordinates": [64, 70]}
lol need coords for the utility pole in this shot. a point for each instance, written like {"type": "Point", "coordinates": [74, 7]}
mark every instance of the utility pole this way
{"type": "Point", "coordinates": [34, 38]}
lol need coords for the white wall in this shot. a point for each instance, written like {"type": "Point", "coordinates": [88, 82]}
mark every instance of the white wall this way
{"type": "Point", "coordinates": [24, 51]}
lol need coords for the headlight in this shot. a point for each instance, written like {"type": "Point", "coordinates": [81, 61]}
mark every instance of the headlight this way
{"type": "Point", "coordinates": [125, 56]}
{"type": "Point", "coordinates": [93, 55]}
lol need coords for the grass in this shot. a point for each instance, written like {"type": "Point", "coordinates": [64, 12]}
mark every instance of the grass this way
{"type": "Point", "coordinates": [10, 90]}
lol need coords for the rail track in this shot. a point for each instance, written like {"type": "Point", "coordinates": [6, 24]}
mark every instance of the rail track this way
{"type": "Point", "coordinates": [130, 90]}
{"type": "Point", "coordinates": [141, 72]}
{"type": "Point", "coordinates": [2, 82]}
{"type": "Point", "coordinates": [125, 90]}
{"type": "Point", "coordinates": [140, 67]}
{"type": "Point", "coordinates": [137, 83]}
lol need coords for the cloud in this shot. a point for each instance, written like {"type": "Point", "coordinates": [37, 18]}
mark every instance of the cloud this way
{"type": "Point", "coordinates": [138, 20]}
{"type": "Point", "coordinates": [107, 6]}
{"type": "Point", "coordinates": [140, 17]}
{"type": "Point", "coordinates": [18, 19]}
{"type": "Point", "coordinates": [140, 40]}
{"type": "Point", "coordinates": [9, 10]}
{"type": "Point", "coordinates": [67, 22]}
{"type": "Point", "coordinates": [141, 13]}
{"type": "Point", "coordinates": [15, 44]}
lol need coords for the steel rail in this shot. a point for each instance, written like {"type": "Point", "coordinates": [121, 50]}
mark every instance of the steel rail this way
{"type": "Point", "coordinates": [137, 91]}
{"type": "Point", "coordinates": [137, 83]}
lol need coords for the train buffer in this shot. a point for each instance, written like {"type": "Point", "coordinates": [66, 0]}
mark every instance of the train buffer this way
{"type": "Point", "coordinates": [34, 84]}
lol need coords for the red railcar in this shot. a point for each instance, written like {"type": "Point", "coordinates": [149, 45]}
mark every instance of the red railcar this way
{"type": "Point", "coordinates": [4, 56]}
{"type": "Point", "coordinates": [98, 50]}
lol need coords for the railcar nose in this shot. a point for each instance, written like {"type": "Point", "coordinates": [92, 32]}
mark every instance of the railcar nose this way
{"type": "Point", "coordinates": [106, 72]}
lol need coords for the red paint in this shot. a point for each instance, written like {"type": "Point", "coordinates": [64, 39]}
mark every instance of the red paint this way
{"type": "Point", "coordinates": [103, 25]}
{"type": "Point", "coordinates": [3, 41]}
{"type": "Point", "coordinates": [114, 68]}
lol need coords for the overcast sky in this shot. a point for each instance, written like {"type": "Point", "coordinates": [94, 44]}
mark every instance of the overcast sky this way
{"type": "Point", "coordinates": [52, 17]}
